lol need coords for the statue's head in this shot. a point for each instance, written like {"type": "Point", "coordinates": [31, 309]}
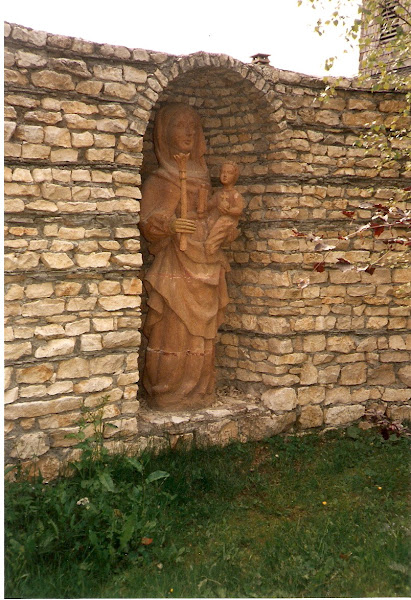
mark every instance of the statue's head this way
{"type": "Point", "coordinates": [229, 172]}
{"type": "Point", "coordinates": [178, 129]}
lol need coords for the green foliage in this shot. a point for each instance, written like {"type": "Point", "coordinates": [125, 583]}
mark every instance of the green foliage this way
{"type": "Point", "coordinates": [102, 516]}
{"type": "Point", "coordinates": [299, 516]}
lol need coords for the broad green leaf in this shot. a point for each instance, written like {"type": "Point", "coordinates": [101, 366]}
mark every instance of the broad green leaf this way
{"type": "Point", "coordinates": [156, 475]}
{"type": "Point", "coordinates": [107, 482]}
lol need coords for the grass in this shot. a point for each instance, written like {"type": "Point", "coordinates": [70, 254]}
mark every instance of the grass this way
{"type": "Point", "coordinates": [310, 516]}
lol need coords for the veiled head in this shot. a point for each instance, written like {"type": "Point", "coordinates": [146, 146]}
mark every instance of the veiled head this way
{"type": "Point", "coordinates": [178, 129]}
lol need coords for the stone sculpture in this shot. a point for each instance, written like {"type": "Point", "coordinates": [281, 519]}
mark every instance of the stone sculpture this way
{"type": "Point", "coordinates": [186, 285]}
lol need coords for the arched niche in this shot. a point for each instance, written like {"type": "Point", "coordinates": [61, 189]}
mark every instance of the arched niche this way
{"type": "Point", "coordinates": [238, 117]}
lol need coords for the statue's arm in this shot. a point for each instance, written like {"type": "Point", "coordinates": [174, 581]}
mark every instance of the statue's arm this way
{"type": "Point", "coordinates": [158, 208]}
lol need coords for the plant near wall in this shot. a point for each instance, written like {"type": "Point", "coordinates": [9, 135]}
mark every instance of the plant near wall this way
{"type": "Point", "coordinates": [105, 514]}
{"type": "Point", "coordinates": [385, 220]}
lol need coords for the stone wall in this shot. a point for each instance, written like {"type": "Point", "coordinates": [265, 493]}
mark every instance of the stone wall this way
{"type": "Point", "coordinates": [78, 130]}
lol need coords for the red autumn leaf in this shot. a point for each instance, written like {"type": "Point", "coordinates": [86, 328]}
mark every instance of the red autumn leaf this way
{"type": "Point", "coordinates": [298, 233]}
{"type": "Point", "coordinates": [378, 230]}
{"type": "Point", "coordinates": [344, 265]}
{"type": "Point", "coordinates": [146, 541]}
{"type": "Point", "coordinates": [319, 267]}
{"type": "Point", "coordinates": [370, 270]}
{"type": "Point", "coordinates": [349, 213]}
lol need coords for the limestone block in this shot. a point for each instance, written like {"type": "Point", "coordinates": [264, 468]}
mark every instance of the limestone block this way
{"type": "Point", "coordinates": [60, 387]}
{"type": "Point", "coordinates": [109, 288]}
{"type": "Point", "coordinates": [91, 342]}
{"type": "Point", "coordinates": [354, 374]}
{"type": "Point", "coordinates": [94, 384]}
{"type": "Point", "coordinates": [42, 116]}
{"type": "Point", "coordinates": [82, 140]}
{"type": "Point", "coordinates": [76, 67]}
{"type": "Point", "coordinates": [274, 325]}
{"type": "Point", "coordinates": [15, 78]}
{"type": "Point", "coordinates": [311, 416]}
{"type": "Point", "coordinates": [57, 260]}
{"type": "Point", "coordinates": [39, 290]}
{"type": "Point", "coordinates": [382, 375]}
{"type": "Point", "coordinates": [11, 395]}
{"type": "Point", "coordinates": [33, 391]}
{"type": "Point", "coordinates": [314, 343]}
{"type": "Point", "coordinates": [30, 445]}
{"type": "Point", "coordinates": [15, 292]}
{"type": "Point", "coordinates": [329, 374]}
{"type": "Point", "coordinates": [42, 206]}
{"type": "Point", "coordinates": [111, 363]}
{"type": "Point", "coordinates": [103, 324]}
{"type": "Point", "coordinates": [258, 428]}
{"type": "Point", "coordinates": [112, 125]}
{"type": "Point", "coordinates": [58, 347]}
{"type": "Point", "coordinates": [104, 140]}
{"type": "Point", "coordinates": [108, 72]}
{"type": "Point", "coordinates": [57, 136]}
{"type": "Point", "coordinates": [311, 395]}
{"type": "Point", "coordinates": [17, 350]}
{"type": "Point", "coordinates": [94, 260]}
{"type": "Point", "coordinates": [57, 421]}
{"type": "Point", "coordinates": [77, 122]}
{"type": "Point", "coordinates": [404, 374]}
{"type": "Point", "coordinates": [9, 129]}
{"type": "Point", "coordinates": [338, 395]}
{"type": "Point", "coordinates": [341, 415]}
{"type": "Point", "coordinates": [63, 155]}
{"type": "Point", "coordinates": [396, 395]}
{"type": "Point", "coordinates": [49, 331]}
{"type": "Point", "coordinates": [79, 304]}
{"type": "Point", "coordinates": [124, 91]}
{"type": "Point", "coordinates": [132, 286]}
{"type": "Point", "coordinates": [128, 378]}
{"type": "Point", "coordinates": [100, 155]}
{"type": "Point", "coordinates": [340, 344]}
{"type": "Point", "coordinates": [29, 59]}
{"type": "Point", "coordinates": [77, 327]}
{"type": "Point", "coordinates": [399, 413]}
{"type": "Point", "coordinates": [280, 399]}
{"type": "Point", "coordinates": [308, 374]}
{"type": "Point", "coordinates": [280, 346]}
{"type": "Point", "coordinates": [126, 232]}
{"type": "Point", "coordinates": [8, 374]}
{"type": "Point", "coordinates": [119, 339]}
{"type": "Point", "coordinates": [39, 373]}
{"type": "Point", "coordinates": [42, 308]}
{"type": "Point", "coordinates": [122, 427]}
{"type": "Point", "coordinates": [134, 75]}
{"type": "Point", "coordinates": [75, 107]}
{"type": "Point", "coordinates": [118, 302]}
{"type": "Point", "coordinates": [40, 408]}
{"type": "Point", "coordinates": [23, 262]}
{"type": "Point", "coordinates": [73, 368]}
{"type": "Point", "coordinates": [51, 191]}
{"type": "Point", "coordinates": [68, 288]}
{"type": "Point", "coordinates": [52, 80]}
{"type": "Point", "coordinates": [89, 87]}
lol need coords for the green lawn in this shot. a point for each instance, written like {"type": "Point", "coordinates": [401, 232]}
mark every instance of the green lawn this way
{"type": "Point", "coordinates": [311, 516]}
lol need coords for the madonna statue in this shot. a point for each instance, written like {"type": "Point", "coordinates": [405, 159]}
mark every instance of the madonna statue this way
{"type": "Point", "coordinates": [186, 286]}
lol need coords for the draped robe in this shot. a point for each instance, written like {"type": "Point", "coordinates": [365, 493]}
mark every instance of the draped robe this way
{"type": "Point", "coordinates": [187, 292]}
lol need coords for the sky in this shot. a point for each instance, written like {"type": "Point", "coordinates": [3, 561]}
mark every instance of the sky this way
{"type": "Point", "coordinates": [239, 28]}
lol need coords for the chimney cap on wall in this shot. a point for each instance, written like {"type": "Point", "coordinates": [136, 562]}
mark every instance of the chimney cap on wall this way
{"type": "Point", "coordinates": [261, 59]}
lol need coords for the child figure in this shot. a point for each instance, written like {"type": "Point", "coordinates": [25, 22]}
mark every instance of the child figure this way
{"type": "Point", "coordinates": [230, 204]}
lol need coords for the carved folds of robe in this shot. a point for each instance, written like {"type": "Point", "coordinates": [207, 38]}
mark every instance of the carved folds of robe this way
{"type": "Point", "coordinates": [187, 290]}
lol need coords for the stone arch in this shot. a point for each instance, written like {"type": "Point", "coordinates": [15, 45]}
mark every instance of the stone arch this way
{"type": "Point", "coordinates": [241, 116]}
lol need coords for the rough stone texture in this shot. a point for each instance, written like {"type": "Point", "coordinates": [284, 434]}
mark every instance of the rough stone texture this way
{"type": "Point", "coordinates": [78, 124]}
